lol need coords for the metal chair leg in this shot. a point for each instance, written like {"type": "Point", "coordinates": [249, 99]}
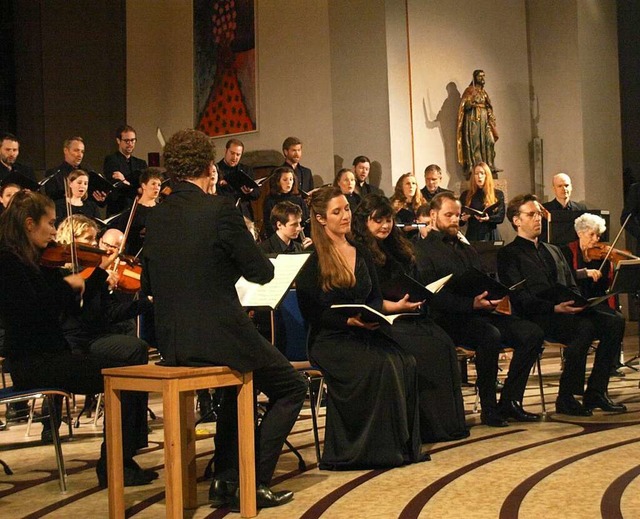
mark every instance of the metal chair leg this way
{"type": "Point", "coordinates": [56, 443]}
{"type": "Point", "coordinates": [314, 414]}
{"type": "Point", "coordinates": [541, 384]}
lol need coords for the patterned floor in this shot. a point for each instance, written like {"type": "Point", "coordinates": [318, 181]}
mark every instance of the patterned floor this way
{"type": "Point", "coordinates": [577, 468]}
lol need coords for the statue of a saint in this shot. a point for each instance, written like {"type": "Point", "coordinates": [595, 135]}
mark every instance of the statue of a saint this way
{"type": "Point", "coordinates": [477, 132]}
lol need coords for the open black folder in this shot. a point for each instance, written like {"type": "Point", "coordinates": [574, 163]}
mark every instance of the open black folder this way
{"type": "Point", "coordinates": [560, 294]}
{"type": "Point", "coordinates": [238, 179]}
{"type": "Point", "coordinates": [626, 280]}
{"type": "Point", "coordinates": [368, 314]}
{"type": "Point", "coordinates": [270, 295]}
{"type": "Point", "coordinates": [396, 288]}
{"type": "Point", "coordinates": [473, 282]}
{"type": "Point", "coordinates": [487, 211]}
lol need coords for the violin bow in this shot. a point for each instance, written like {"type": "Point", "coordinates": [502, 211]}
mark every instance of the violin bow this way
{"type": "Point", "coordinates": [613, 244]}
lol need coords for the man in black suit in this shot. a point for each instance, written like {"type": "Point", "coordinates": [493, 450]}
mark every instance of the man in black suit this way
{"type": "Point", "coordinates": [9, 151]}
{"type": "Point", "coordinates": [432, 179]}
{"type": "Point", "coordinates": [562, 188]}
{"type": "Point", "coordinates": [472, 322]}
{"type": "Point", "coordinates": [123, 169]}
{"type": "Point", "coordinates": [196, 248]}
{"type": "Point", "coordinates": [292, 151]}
{"type": "Point", "coordinates": [286, 220]}
{"type": "Point", "coordinates": [543, 266]}
{"type": "Point", "coordinates": [231, 166]}
{"type": "Point", "coordinates": [361, 169]}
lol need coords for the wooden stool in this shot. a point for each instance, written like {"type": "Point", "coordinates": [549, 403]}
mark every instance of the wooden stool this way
{"type": "Point", "coordinates": [177, 385]}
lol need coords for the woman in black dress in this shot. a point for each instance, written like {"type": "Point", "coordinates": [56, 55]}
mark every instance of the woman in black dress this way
{"type": "Point", "coordinates": [482, 196]}
{"type": "Point", "coordinates": [406, 200]}
{"type": "Point", "coordinates": [79, 200]}
{"type": "Point", "coordinates": [372, 406]}
{"type": "Point", "coordinates": [441, 405]}
{"type": "Point", "coordinates": [346, 181]}
{"type": "Point", "coordinates": [283, 186]}
{"type": "Point", "coordinates": [31, 300]}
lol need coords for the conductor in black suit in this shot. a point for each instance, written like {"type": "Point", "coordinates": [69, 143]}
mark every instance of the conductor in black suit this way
{"type": "Point", "coordinates": [196, 248]}
{"type": "Point", "coordinates": [123, 169]}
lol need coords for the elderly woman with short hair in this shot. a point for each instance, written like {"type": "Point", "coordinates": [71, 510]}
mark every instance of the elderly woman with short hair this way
{"type": "Point", "coordinates": [593, 281]}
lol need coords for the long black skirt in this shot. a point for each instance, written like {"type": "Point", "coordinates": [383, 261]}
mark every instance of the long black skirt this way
{"type": "Point", "coordinates": [372, 406]}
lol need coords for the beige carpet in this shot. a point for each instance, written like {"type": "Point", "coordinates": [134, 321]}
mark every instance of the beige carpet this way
{"type": "Point", "coordinates": [571, 468]}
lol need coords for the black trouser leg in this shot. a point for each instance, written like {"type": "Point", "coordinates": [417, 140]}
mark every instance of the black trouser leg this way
{"type": "Point", "coordinates": [609, 326]}
{"type": "Point", "coordinates": [526, 340]}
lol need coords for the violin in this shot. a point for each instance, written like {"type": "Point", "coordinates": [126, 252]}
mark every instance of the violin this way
{"type": "Point", "coordinates": [601, 251]}
{"type": "Point", "coordinates": [58, 255]}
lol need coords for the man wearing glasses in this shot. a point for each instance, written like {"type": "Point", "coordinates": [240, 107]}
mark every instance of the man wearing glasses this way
{"type": "Point", "coordinates": [123, 169]}
{"type": "Point", "coordinates": [544, 267]}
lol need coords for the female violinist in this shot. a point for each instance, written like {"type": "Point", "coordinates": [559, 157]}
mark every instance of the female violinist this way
{"type": "Point", "coordinates": [489, 201]}
{"type": "Point", "coordinates": [31, 298]}
{"type": "Point", "coordinates": [593, 280]}
{"type": "Point", "coordinates": [78, 193]}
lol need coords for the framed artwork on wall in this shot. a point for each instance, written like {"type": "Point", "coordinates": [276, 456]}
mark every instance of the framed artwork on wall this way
{"type": "Point", "coordinates": [225, 68]}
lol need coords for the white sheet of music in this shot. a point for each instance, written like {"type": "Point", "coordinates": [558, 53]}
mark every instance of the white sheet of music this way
{"type": "Point", "coordinates": [286, 268]}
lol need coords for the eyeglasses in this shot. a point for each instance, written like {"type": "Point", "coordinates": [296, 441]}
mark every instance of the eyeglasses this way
{"type": "Point", "coordinates": [532, 214]}
{"type": "Point", "coordinates": [129, 141]}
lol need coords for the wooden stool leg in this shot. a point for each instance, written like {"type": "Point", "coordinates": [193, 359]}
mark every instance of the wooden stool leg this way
{"type": "Point", "coordinates": [115, 469]}
{"type": "Point", "coordinates": [246, 448]}
{"type": "Point", "coordinates": [188, 423]}
{"type": "Point", "coordinates": [172, 448]}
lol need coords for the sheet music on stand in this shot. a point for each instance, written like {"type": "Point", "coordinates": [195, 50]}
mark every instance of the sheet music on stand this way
{"type": "Point", "coordinates": [270, 295]}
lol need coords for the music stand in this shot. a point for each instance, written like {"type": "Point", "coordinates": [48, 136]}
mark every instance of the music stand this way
{"type": "Point", "coordinates": [626, 280]}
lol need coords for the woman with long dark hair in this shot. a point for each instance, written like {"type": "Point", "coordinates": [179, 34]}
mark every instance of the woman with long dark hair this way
{"type": "Point", "coordinates": [441, 406]}
{"type": "Point", "coordinates": [283, 187]}
{"type": "Point", "coordinates": [485, 198]}
{"type": "Point", "coordinates": [32, 298]}
{"type": "Point", "coordinates": [372, 407]}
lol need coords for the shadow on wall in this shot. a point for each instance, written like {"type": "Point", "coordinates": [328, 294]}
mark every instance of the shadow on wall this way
{"type": "Point", "coordinates": [446, 121]}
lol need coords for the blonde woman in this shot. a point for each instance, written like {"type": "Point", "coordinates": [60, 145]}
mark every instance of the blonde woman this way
{"type": "Point", "coordinates": [487, 200]}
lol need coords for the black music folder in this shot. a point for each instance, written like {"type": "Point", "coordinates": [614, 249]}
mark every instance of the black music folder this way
{"type": "Point", "coordinates": [626, 278]}
{"type": "Point", "coordinates": [487, 211]}
{"type": "Point", "coordinates": [396, 288]}
{"type": "Point", "coordinates": [98, 183]}
{"type": "Point", "coordinates": [560, 293]}
{"type": "Point", "coordinates": [20, 180]}
{"type": "Point", "coordinates": [238, 179]}
{"type": "Point", "coordinates": [368, 314]}
{"type": "Point", "coordinates": [473, 282]}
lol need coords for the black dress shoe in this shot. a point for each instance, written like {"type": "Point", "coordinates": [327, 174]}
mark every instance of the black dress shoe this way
{"type": "Point", "coordinates": [133, 477]}
{"type": "Point", "coordinates": [569, 405]}
{"type": "Point", "coordinates": [513, 410]}
{"type": "Point", "coordinates": [595, 400]}
{"type": "Point", "coordinates": [615, 372]}
{"type": "Point", "coordinates": [3, 425]}
{"type": "Point", "coordinates": [221, 491]}
{"type": "Point", "coordinates": [492, 419]}
{"type": "Point", "coordinates": [265, 498]}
